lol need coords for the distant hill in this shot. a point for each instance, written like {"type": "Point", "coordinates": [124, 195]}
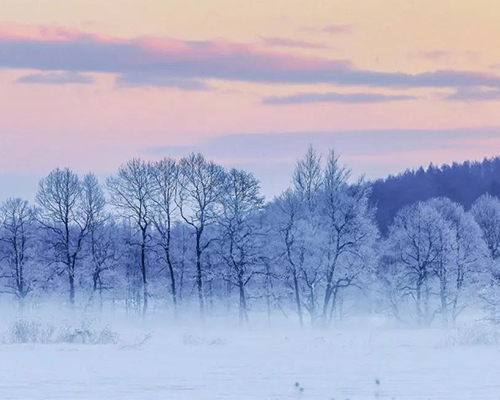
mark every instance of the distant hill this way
{"type": "Point", "coordinates": [461, 182]}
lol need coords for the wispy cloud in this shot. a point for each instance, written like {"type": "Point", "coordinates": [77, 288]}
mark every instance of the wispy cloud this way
{"type": "Point", "coordinates": [141, 80]}
{"type": "Point", "coordinates": [284, 42]}
{"type": "Point", "coordinates": [474, 95]}
{"type": "Point", "coordinates": [348, 98]}
{"type": "Point", "coordinates": [442, 55]}
{"type": "Point", "coordinates": [151, 58]}
{"type": "Point", "coordinates": [338, 29]}
{"type": "Point", "coordinates": [56, 78]}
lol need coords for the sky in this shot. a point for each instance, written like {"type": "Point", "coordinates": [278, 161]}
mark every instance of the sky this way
{"type": "Point", "coordinates": [390, 84]}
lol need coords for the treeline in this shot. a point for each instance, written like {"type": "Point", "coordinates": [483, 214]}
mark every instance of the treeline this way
{"type": "Point", "coordinates": [179, 235]}
{"type": "Point", "coordinates": [460, 182]}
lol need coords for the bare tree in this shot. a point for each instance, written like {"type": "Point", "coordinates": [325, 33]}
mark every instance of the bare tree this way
{"type": "Point", "coordinates": [165, 178]}
{"type": "Point", "coordinates": [486, 212]}
{"type": "Point", "coordinates": [350, 231]}
{"type": "Point", "coordinates": [307, 182]}
{"type": "Point", "coordinates": [464, 252]}
{"type": "Point", "coordinates": [62, 214]}
{"type": "Point", "coordinates": [292, 246]}
{"type": "Point", "coordinates": [130, 191]}
{"type": "Point", "coordinates": [17, 233]}
{"type": "Point", "coordinates": [100, 237]}
{"type": "Point", "coordinates": [200, 192]}
{"type": "Point", "coordinates": [308, 177]}
{"type": "Point", "coordinates": [240, 228]}
{"type": "Point", "coordinates": [416, 242]}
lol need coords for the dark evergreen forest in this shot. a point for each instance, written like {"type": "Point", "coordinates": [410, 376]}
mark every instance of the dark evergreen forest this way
{"type": "Point", "coordinates": [461, 182]}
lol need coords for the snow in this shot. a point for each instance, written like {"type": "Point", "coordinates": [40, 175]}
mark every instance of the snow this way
{"type": "Point", "coordinates": [213, 363]}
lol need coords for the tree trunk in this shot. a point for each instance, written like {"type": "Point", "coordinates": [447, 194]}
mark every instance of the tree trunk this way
{"type": "Point", "coordinates": [199, 281]}
{"type": "Point", "coordinates": [243, 302]}
{"type": "Point", "coordinates": [329, 287]}
{"type": "Point", "coordinates": [268, 294]}
{"type": "Point", "coordinates": [173, 286]}
{"type": "Point", "coordinates": [418, 302]}
{"type": "Point", "coordinates": [443, 294]}
{"type": "Point", "coordinates": [297, 299]}
{"type": "Point", "coordinates": [72, 287]}
{"type": "Point", "coordinates": [143, 271]}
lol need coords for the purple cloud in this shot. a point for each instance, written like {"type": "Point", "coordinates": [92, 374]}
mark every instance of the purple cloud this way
{"type": "Point", "coordinates": [141, 80]}
{"type": "Point", "coordinates": [348, 98]}
{"type": "Point", "coordinates": [473, 95]}
{"type": "Point", "coordinates": [56, 78]}
{"type": "Point", "coordinates": [156, 61]}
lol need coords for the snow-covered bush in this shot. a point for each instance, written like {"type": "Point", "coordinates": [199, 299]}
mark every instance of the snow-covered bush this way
{"type": "Point", "coordinates": [32, 331]}
{"type": "Point", "coordinates": [26, 331]}
{"type": "Point", "coordinates": [477, 335]}
{"type": "Point", "coordinates": [87, 335]}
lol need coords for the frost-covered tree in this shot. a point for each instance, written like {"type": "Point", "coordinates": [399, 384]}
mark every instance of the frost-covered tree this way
{"type": "Point", "coordinates": [347, 221]}
{"type": "Point", "coordinates": [130, 191]}
{"type": "Point", "coordinates": [18, 239]}
{"type": "Point", "coordinates": [463, 256]}
{"type": "Point", "coordinates": [307, 183]}
{"type": "Point", "coordinates": [308, 177]}
{"type": "Point", "coordinates": [486, 212]}
{"type": "Point", "coordinates": [291, 241]}
{"type": "Point", "coordinates": [165, 182]}
{"type": "Point", "coordinates": [201, 185]}
{"type": "Point", "coordinates": [417, 243]}
{"type": "Point", "coordinates": [63, 215]}
{"type": "Point", "coordinates": [240, 226]}
{"type": "Point", "coordinates": [101, 236]}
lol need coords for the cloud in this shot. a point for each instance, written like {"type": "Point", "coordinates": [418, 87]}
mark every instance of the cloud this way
{"type": "Point", "coordinates": [45, 33]}
{"type": "Point", "coordinates": [284, 42]}
{"type": "Point", "coordinates": [56, 78]}
{"type": "Point", "coordinates": [441, 55]}
{"type": "Point", "coordinates": [137, 80]}
{"type": "Point", "coordinates": [434, 54]}
{"type": "Point", "coordinates": [473, 95]}
{"type": "Point", "coordinates": [338, 29]}
{"type": "Point", "coordinates": [348, 98]}
{"type": "Point", "coordinates": [199, 60]}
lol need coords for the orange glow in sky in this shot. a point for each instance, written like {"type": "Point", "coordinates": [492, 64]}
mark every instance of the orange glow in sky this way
{"type": "Point", "coordinates": [91, 83]}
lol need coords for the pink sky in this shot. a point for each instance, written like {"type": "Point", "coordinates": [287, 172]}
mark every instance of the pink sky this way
{"type": "Point", "coordinates": [89, 84]}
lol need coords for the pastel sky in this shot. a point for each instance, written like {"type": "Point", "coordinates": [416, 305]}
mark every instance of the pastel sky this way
{"type": "Point", "coordinates": [390, 84]}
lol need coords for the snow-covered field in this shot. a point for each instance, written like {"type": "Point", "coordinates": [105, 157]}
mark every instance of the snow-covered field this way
{"type": "Point", "coordinates": [366, 361]}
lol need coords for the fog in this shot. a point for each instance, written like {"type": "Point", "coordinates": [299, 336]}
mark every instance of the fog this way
{"type": "Point", "coordinates": [109, 354]}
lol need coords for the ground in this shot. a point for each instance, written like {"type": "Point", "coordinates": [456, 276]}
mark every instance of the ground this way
{"type": "Point", "coordinates": [361, 362]}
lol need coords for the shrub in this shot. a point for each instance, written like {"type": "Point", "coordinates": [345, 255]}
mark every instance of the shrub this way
{"type": "Point", "coordinates": [479, 335]}
{"type": "Point", "coordinates": [27, 331]}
